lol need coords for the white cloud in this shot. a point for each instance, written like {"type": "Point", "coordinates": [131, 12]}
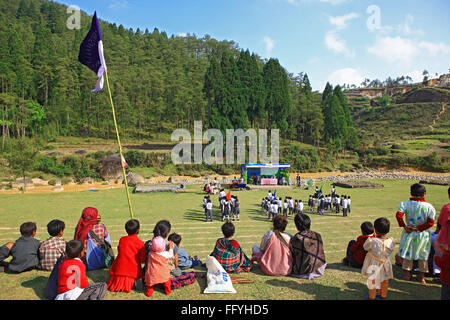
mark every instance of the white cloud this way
{"type": "Point", "coordinates": [416, 75]}
{"type": "Point", "coordinates": [398, 49]}
{"type": "Point", "coordinates": [182, 34]}
{"type": "Point", "coordinates": [334, 43]}
{"type": "Point", "coordinates": [341, 21]}
{"type": "Point", "coordinates": [119, 4]}
{"type": "Point", "coordinates": [269, 45]}
{"type": "Point", "coordinates": [346, 76]}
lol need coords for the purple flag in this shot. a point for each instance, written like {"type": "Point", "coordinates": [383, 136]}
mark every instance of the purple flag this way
{"type": "Point", "coordinates": [91, 52]}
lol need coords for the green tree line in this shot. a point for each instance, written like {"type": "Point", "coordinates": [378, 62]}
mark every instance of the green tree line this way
{"type": "Point", "coordinates": [158, 82]}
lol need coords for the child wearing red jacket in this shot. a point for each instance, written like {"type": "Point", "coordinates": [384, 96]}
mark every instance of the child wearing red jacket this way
{"type": "Point", "coordinates": [72, 280]}
{"type": "Point", "coordinates": [355, 250]}
{"type": "Point", "coordinates": [126, 270]}
{"type": "Point", "coordinates": [442, 258]}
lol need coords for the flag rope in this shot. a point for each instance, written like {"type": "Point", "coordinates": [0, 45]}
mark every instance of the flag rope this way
{"type": "Point", "coordinates": [120, 146]}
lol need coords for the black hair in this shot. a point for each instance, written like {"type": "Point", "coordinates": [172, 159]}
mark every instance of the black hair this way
{"type": "Point", "coordinates": [162, 228]}
{"type": "Point", "coordinates": [175, 238]}
{"type": "Point", "coordinates": [279, 223]}
{"type": "Point", "coordinates": [228, 229]}
{"type": "Point", "coordinates": [418, 190]}
{"type": "Point", "coordinates": [55, 227]}
{"type": "Point", "coordinates": [132, 226]}
{"type": "Point", "coordinates": [74, 248]}
{"type": "Point", "coordinates": [302, 222]}
{"type": "Point", "coordinates": [382, 226]}
{"type": "Point", "coordinates": [367, 228]}
{"type": "Point", "coordinates": [27, 229]}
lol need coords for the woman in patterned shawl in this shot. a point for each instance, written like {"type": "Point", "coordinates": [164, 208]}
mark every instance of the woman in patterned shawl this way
{"type": "Point", "coordinates": [229, 253]}
{"type": "Point", "coordinates": [307, 250]}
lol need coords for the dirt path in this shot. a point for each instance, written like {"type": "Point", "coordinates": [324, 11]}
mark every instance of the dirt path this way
{"type": "Point", "coordinates": [438, 116]}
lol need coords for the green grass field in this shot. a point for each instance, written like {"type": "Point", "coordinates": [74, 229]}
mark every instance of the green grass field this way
{"type": "Point", "coordinates": [185, 213]}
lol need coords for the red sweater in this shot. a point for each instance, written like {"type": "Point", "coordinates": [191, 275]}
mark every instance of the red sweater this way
{"type": "Point", "coordinates": [444, 263]}
{"type": "Point", "coordinates": [131, 253]}
{"type": "Point", "coordinates": [71, 274]}
{"type": "Point", "coordinates": [358, 252]}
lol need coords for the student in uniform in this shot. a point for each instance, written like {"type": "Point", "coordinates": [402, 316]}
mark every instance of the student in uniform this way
{"type": "Point", "coordinates": [209, 206]}
{"type": "Point", "coordinates": [291, 205]}
{"type": "Point", "coordinates": [285, 207]}
{"type": "Point", "coordinates": [226, 209]}
{"type": "Point", "coordinates": [337, 202]}
{"type": "Point", "coordinates": [344, 206]}
{"type": "Point", "coordinates": [300, 207]}
{"type": "Point", "coordinates": [237, 209]}
{"type": "Point", "coordinates": [274, 209]}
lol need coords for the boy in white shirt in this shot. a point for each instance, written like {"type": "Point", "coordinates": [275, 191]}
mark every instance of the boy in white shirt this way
{"type": "Point", "coordinates": [285, 207]}
{"type": "Point", "coordinates": [274, 209]}
{"type": "Point", "coordinates": [209, 207]}
{"type": "Point", "coordinates": [344, 206]}
{"type": "Point", "coordinates": [337, 202]}
{"type": "Point", "coordinates": [300, 207]}
{"type": "Point", "coordinates": [291, 205]}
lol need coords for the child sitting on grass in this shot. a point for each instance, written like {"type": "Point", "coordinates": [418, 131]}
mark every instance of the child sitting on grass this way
{"type": "Point", "coordinates": [185, 261]}
{"type": "Point", "coordinates": [229, 253]}
{"type": "Point", "coordinates": [126, 270]}
{"type": "Point", "coordinates": [377, 265]}
{"type": "Point", "coordinates": [158, 269]}
{"type": "Point", "coordinates": [54, 247]}
{"type": "Point", "coordinates": [24, 252]}
{"type": "Point", "coordinates": [72, 280]}
{"type": "Point", "coordinates": [355, 251]}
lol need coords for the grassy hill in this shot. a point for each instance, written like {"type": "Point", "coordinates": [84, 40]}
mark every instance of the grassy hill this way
{"type": "Point", "coordinates": [407, 122]}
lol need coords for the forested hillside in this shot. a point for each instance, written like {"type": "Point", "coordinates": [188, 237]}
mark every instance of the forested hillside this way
{"type": "Point", "coordinates": [161, 82]}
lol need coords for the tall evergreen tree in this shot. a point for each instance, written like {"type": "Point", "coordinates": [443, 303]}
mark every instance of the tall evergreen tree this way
{"type": "Point", "coordinates": [278, 100]}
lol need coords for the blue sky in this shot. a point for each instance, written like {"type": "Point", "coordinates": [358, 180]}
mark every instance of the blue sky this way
{"type": "Point", "coordinates": [340, 41]}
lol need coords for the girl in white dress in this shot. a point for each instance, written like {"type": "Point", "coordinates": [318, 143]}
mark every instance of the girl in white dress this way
{"type": "Point", "coordinates": [377, 265]}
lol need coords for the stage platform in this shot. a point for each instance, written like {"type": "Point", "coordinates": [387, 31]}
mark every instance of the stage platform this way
{"type": "Point", "coordinates": [257, 187]}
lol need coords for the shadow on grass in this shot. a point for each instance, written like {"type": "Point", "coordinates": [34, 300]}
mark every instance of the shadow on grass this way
{"type": "Point", "coordinates": [101, 275]}
{"type": "Point", "coordinates": [199, 215]}
{"type": "Point", "coordinates": [398, 288]}
{"type": "Point", "coordinates": [195, 215]}
{"type": "Point", "coordinates": [38, 285]}
{"type": "Point", "coordinates": [318, 291]}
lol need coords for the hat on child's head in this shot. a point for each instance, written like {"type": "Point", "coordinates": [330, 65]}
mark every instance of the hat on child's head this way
{"type": "Point", "coordinates": [158, 244]}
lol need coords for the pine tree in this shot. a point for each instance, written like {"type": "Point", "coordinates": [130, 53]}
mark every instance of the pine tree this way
{"type": "Point", "coordinates": [278, 100]}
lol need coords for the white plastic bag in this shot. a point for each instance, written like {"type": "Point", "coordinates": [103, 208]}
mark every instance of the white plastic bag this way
{"type": "Point", "coordinates": [217, 278]}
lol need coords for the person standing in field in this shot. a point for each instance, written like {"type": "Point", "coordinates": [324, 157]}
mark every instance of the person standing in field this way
{"type": "Point", "coordinates": [415, 242]}
{"type": "Point", "coordinates": [377, 265]}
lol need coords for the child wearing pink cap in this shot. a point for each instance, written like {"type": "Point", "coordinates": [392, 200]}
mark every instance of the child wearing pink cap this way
{"type": "Point", "coordinates": [158, 269]}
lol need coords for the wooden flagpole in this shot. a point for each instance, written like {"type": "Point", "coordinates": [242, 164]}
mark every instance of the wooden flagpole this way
{"type": "Point", "coordinates": [120, 146]}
